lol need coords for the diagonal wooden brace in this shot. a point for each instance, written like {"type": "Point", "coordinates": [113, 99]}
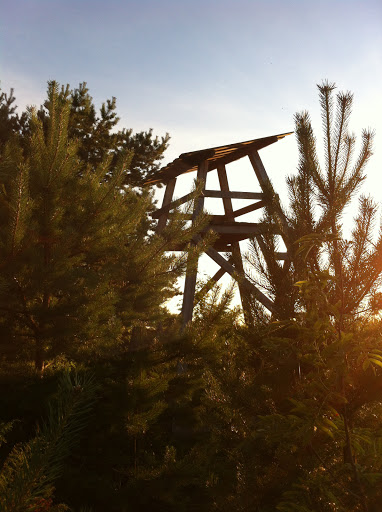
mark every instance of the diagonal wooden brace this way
{"type": "Point", "coordinates": [214, 255]}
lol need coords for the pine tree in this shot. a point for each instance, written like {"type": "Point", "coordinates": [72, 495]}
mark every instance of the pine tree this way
{"type": "Point", "coordinates": [314, 392]}
{"type": "Point", "coordinates": [78, 267]}
{"type": "Point", "coordinates": [319, 196]}
{"type": "Point", "coordinates": [98, 138]}
{"type": "Point", "coordinates": [284, 415]}
{"type": "Point", "coordinates": [8, 119]}
{"type": "Point", "coordinates": [96, 134]}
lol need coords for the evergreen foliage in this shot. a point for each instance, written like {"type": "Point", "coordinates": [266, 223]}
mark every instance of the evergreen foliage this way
{"type": "Point", "coordinates": [283, 415]}
{"type": "Point", "coordinates": [79, 268]}
{"type": "Point", "coordinates": [327, 297]}
{"type": "Point", "coordinates": [10, 121]}
{"type": "Point", "coordinates": [318, 198]}
{"type": "Point", "coordinates": [96, 134]}
{"type": "Point", "coordinates": [30, 469]}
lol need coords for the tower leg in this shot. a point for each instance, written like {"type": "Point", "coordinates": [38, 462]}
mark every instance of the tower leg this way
{"type": "Point", "coordinates": [190, 283]}
{"type": "Point", "coordinates": [237, 260]}
{"type": "Point", "coordinates": [207, 287]}
{"type": "Point", "coordinates": [189, 295]}
{"type": "Point", "coordinates": [167, 198]}
{"type": "Point", "coordinates": [236, 253]}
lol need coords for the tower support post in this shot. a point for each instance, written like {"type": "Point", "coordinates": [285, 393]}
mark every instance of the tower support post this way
{"type": "Point", "coordinates": [167, 198]}
{"type": "Point", "coordinates": [192, 269]}
{"type": "Point", "coordinates": [236, 252]}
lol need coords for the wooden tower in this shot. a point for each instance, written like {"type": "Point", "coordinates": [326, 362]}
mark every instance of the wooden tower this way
{"type": "Point", "coordinates": [230, 232]}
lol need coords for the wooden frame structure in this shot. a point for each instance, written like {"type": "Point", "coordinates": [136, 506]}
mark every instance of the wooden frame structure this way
{"type": "Point", "coordinates": [230, 232]}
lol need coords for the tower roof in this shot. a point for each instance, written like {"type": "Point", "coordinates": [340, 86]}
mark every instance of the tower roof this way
{"type": "Point", "coordinates": [220, 155]}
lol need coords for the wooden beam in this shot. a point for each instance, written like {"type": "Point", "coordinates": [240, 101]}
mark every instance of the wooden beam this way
{"type": "Point", "coordinates": [233, 195]}
{"type": "Point", "coordinates": [267, 188]}
{"type": "Point", "coordinates": [260, 171]}
{"type": "Point", "coordinates": [174, 204]}
{"type": "Point", "coordinates": [222, 247]}
{"type": "Point", "coordinates": [218, 246]}
{"type": "Point", "coordinates": [200, 178]}
{"type": "Point", "coordinates": [236, 228]}
{"type": "Point", "coordinates": [230, 239]}
{"type": "Point", "coordinates": [215, 156]}
{"type": "Point", "coordinates": [244, 292]}
{"type": "Point", "coordinates": [210, 283]}
{"type": "Point", "coordinates": [217, 219]}
{"type": "Point", "coordinates": [236, 253]}
{"type": "Point", "coordinates": [166, 201]}
{"type": "Point", "coordinates": [241, 152]}
{"type": "Point", "coordinates": [209, 193]}
{"type": "Point", "coordinates": [190, 282]}
{"type": "Point", "coordinates": [223, 180]}
{"type": "Point", "coordinates": [188, 295]}
{"type": "Point", "coordinates": [249, 208]}
{"type": "Point", "coordinates": [214, 255]}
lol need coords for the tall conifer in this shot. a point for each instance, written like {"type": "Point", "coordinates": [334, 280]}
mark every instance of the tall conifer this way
{"type": "Point", "coordinates": [78, 267]}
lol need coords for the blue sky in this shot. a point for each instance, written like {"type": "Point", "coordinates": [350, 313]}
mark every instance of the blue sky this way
{"type": "Point", "coordinates": [208, 72]}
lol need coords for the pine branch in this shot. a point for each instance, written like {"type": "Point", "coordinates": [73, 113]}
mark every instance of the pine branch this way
{"type": "Point", "coordinates": [308, 162]}
{"type": "Point", "coordinates": [349, 143]}
{"type": "Point", "coordinates": [326, 100]}
{"type": "Point", "coordinates": [30, 470]}
{"type": "Point", "coordinates": [357, 173]}
{"type": "Point", "coordinates": [344, 104]}
{"type": "Point", "coordinates": [20, 190]}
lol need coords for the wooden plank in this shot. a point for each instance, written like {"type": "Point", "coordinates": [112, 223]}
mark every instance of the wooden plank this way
{"type": "Point", "coordinates": [245, 228]}
{"type": "Point", "coordinates": [267, 188]}
{"type": "Point", "coordinates": [260, 171]}
{"type": "Point", "coordinates": [242, 151]}
{"type": "Point", "coordinates": [245, 301]}
{"type": "Point", "coordinates": [207, 287]}
{"type": "Point", "coordinates": [207, 193]}
{"type": "Point", "coordinates": [223, 180]}
{"type": "Point", "coordinates": [188, 295]}
{"type": "Point", "coordinates": [233, 195]}
{"type": "Point", "coordinates": [214, 255]}
{"type": "Point", "coordinates": [166, 201]}
{"type": "Point", "coordinates": [222, 247]}
{"type": "Point", "coordinates": [236, 253]}
{"type": "Point", "coordinates": [174, 204]}
{"type": "Point", "coordinates": [197, 157]}
{"type": "Point", "coordinates": [237, 150]}
{"type": "Point", "coordinates": [230, 239]}
{"type": "Point", "coordinates": [191, 273]}
{"type": "Point", "coordinates": [167, 173]}
{"type": "Point", "coordinates": [200, 178]}
{"type": "Point", "coordinates": [188, 216]}
{"type": "Point", "coordinates": [249, 208]}
{"type": "Point", "coordinates": [218, 246]}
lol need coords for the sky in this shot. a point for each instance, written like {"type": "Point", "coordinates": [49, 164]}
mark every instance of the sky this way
{"type": "Point", "coordinates": [208, 72]}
